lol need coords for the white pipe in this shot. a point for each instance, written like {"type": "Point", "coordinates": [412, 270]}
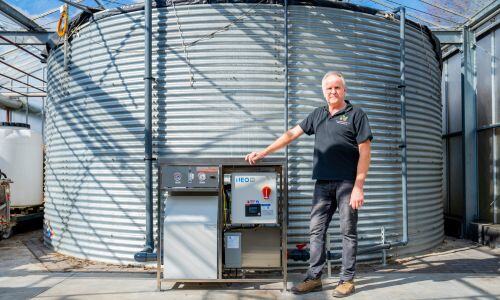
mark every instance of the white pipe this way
{"type": "Point", "coordinates": [13, 103]}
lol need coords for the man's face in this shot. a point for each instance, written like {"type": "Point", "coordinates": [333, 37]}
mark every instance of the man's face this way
{"type": "Point", "coordinates": [333, 90]}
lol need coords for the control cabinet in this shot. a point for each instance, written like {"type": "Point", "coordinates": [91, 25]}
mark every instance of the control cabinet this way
{"type": "Point", "coordinates": [222, 221]}
{"type": "Point", "coordinates": [253, 198]}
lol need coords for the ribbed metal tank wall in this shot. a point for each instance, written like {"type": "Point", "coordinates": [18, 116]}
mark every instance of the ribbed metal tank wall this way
{"type": "Point", "coordinates": [366, 50]}
{"type": "Point", "coordinates": [94, 135]}
{"type": "Point", "coordinates": [424, 144]}
{"type": "Point", "coordinates": [222, 95]}
{"type": "Point", "coordinates": [94, 128]}
{"type": "Point", "coordinates": [235, 101]}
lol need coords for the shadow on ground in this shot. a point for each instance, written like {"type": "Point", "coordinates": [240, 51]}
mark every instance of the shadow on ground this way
{"type": "Point", "coordinates": [456, 270]}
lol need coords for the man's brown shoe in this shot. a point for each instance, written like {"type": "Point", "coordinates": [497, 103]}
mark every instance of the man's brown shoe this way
{"type": "Point", "coordinates": [344, 289]}
{"type": "Point", "coordinates": [307, 286]}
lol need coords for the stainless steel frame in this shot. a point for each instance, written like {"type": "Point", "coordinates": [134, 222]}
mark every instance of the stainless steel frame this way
{"type": "Point", "coordinates": [227, 166]}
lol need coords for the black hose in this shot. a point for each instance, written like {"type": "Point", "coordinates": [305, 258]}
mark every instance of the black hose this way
{"type": "Point", "coordinates": [303, 254]}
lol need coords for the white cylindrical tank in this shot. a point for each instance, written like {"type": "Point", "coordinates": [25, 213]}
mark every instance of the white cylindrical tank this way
{"type": "Point", "coordinates": [21, 159]}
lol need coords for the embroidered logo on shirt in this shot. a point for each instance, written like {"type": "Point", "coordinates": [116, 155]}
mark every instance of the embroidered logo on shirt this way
{"type": "Point", "coordinates": [343, 120]}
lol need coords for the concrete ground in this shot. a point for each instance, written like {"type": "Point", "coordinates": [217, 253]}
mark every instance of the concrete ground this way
{"type": "Point", "coordinates": [457, 269]}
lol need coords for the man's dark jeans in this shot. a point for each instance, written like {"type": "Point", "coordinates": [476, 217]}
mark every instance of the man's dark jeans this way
{"type": "Point", "coordinates": [328, 194]}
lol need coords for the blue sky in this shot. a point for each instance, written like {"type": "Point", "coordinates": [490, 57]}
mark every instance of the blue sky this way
{"type": "Point", "coordinates": [34, 8]}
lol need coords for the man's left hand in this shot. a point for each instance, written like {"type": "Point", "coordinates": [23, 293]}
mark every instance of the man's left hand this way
{"type": "Point", "coordinates": [357, 197]}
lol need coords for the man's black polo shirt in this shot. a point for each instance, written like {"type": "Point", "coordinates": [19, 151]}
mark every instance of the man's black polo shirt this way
{"type": "Point", "coordinates": [336, 141]}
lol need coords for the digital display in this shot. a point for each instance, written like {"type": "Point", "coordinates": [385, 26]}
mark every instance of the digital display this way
{"type": "Point", "coordinates": [252, 210]}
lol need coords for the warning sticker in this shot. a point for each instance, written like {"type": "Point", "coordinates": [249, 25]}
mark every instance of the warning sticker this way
{"type": "Point", "coordinates": [266, 210]}
{"type": "Point", "coordinates": [207, 169]}
{"type": "Point", "coordinates": [233, 242]}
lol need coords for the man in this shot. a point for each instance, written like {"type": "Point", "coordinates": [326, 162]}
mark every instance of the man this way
{"type": "Point", "coordinates": [340, 165]}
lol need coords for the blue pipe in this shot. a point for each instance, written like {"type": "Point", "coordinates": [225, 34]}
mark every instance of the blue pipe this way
{"type": "Point", "coordinates": [146, 253]}
{"type": "Point", "coordinates": [404, 162]}
{"type": "Point", "coordinates": [404, 167]}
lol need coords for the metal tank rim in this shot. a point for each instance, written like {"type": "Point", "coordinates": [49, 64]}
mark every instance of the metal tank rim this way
{"type": "Point", "coordinates": [86, 17]}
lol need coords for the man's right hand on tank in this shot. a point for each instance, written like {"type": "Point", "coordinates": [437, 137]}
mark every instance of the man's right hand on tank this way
{"type": "Point", "coordinates": [254, 157]}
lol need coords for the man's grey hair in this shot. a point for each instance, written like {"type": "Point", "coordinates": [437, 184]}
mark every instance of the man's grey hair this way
{"type": "Point", "coordinates": [333, 73]}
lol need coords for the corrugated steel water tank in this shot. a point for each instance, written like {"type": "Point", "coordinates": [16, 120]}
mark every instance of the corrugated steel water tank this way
{"type": "Point", "coordinates": [220, 92]}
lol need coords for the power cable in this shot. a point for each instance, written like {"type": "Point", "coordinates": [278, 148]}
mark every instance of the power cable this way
{"type": "Point", "coordinates": [19, 70]}
{"type": "Point", "coordinates": [115, 2]}
{"type": "Point", "coordinates": [479, 11]}
{"type": "Point", "coordinates": [14, 91]}
{"type": "Point", "coordinates": [101, 5]}
{"type": "Point", "coordinates": [11, 24]}
{"type": "Point", "coordinates": [226, 27]}
{"type": "Point", "coordinates": [21, 48]}
{"type": "Point", "coordinates": [51, 22]}
{"type": "Point", "coordinates": [15, 49]}
{"type": "Point", "coordinates": [205, 37]}
{"type": "Point", "coordinates": [51, 11]}
{"type": "Point", "coordinates": [186, 54]}
{"type": "Point", "coordinates": [444, 8]}
{"type": "Point", "coordinates": [487, 52]}
{"type": "Point", "coordinates": [415, 9]}
{"type": "Point", "coordinates": [21, 82]}
{"type": "Point", "coordinates": [411, 15]}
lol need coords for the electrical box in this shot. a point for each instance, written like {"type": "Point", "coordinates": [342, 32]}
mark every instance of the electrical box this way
{"type": "Point", "coordinates": [253, 198]}
{"type": "Point", "coordinates": [232, 249]}
{"type": "Point", "coordinates": [190, 177]}
{"type": "Point", "coordinates": [258, 247]}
